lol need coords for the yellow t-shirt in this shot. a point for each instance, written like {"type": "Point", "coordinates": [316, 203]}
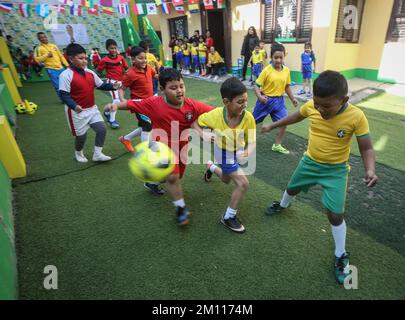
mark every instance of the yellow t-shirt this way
{"type": "Point", "coordinates": [329, 140]}
{"type": "Point", "coordinates": [186, 52]}
{"type": "Point", "coordinates": [264, 54]}
{"type": "Point", "coordinates": [176, 49]}
{"type": "Point", "coordinates": [202, 46]}
{"type": "Point", "coordinates": [194, 51]}
{"type": "Point", "coordinates": [230, 139]}
{"type": "Point", "coordinates": [215, 57]}
{"type": "Point", "coordinates": [54, 62]}
{"type": "Point", "coordinates": [257, 57]}
{"type": "Point", "coordinates": [272, 82]}
{"type": "Point", "coordinates": [151, 60]}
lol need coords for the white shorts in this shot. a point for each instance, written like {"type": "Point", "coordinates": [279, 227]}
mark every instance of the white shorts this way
{"type": "Point", "coordinates": [114, 93]}
{"type": "Point", "coordinates": [79, 123]}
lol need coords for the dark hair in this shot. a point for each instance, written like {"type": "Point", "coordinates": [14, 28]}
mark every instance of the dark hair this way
{"type": "Point", "coordinates": [169, 74]}
{"type": "Point", "coordinates": [308, 44]}
{"type": "Point", "coordinates": [39, 33]}
{"type": "Point", "coordinates": [129, 45]}
{"type": "Point", "coordinates": [254, 31]}
{"type": "Point", "coordinates": [135, 51]}
{"type": "Point", "coordinates": [232, 88]}
{"type": "Point", "coordinates": [9, 37]}
{"type": "Point", "coordinates": [74, 49]}
{"type": "Point", "coordinates": [276, 47]}
{"type": "Point", "coordinates": [330, 84]}
{"type": "Point", "coordinates": [110, 42]}
{"type": "Point", "coordinates": [143, 45]}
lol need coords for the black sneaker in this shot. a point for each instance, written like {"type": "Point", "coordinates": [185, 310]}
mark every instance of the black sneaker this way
{"type": "Point", "coordinates": [154, 188]}
{"type": "Point", "coordinates": [342, 268]}
{"type": "Point", "coordinates": [274, 208]}
{"type": "Point", "coordinates": [234, 224]}
{"type": "Point", "coordinates": [207, 175]}
{"type": "Point", "coordinates": [182, 215]}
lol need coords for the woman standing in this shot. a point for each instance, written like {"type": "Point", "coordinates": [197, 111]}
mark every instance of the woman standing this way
{"type": "Point", "coordinates": [251, 40]}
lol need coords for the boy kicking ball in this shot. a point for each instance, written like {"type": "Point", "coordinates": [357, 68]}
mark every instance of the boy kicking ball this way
{"type": "Point", "coordinates": [333, 123]}
{"type": "Point", "coordinates": [235, 132]}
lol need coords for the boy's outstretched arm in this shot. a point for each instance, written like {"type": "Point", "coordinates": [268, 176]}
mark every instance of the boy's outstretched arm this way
{"type": "Point", "coordinates": [368, 156]}
{"type": "Point", "coordinates": [207, 136]}
{"type": "Point", "coordinates": [110, 107]}
{"type": "Point", "coordinates": [292, 118]}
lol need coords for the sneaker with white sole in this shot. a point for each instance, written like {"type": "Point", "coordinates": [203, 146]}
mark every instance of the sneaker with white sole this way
{"type": "Point", "coordinates": [233, 224]}
{"type": "Point", "coordinates": [101, 157]}
{"type": "Point", "coordinates": [79, 156]}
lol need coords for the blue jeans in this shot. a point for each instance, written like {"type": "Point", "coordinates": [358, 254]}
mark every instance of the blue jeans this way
{"type": "Point", "coordinates": [54, 76]}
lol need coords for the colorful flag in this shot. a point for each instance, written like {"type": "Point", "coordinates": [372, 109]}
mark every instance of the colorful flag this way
{"type": "Point", "coordinates": [208, 4]}
{"type": "Point", "coordinates": [192, 2]}
{"type": "Point", "coordinates": [124, 1]}
{"type": "Point", "coordinates": [66, 2]}
{"type": "Point", "coordinates": [107, 10]}
{"type": "Point", "coordinates": [87, 3]}
{"type": "Point", "coordinates": [93, 10]}
{"type": "Point", "coordinates": [158, 2]}
{"type": "Point", "coordinates": [25, 10]}
{"type": "Point", "coordinates": [42, 10]}
{"type": "Point", "coordinates": [28, 1]}
{"type": "Point", "coordinates": [76, 10]}
{"type": "Point", "coordinates": [151, 8]}
{"type": "Point", "coordinates": [138, 8]}
{"type": "Point", "coordinates": [220, 4]}
{"type": "Point", "coordinates": [58, 8]}
{"type": "Point", "coordinates": [123, 8]}
{"type": "Point", "coordinates": [6, 7]}
{"type": "Point", "coordinates": [165, 7]}
{"type": "Point", "coordinates": [177, 3]}
{"type": "Point", "coordinates": [106, 3]}
{"type": "Point", "coordinates": [193, 8]}
{"type": "Point", "coordinates": [180, 9]}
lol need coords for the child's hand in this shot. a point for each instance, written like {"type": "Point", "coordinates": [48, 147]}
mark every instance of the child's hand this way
{"type": "Point", "coordinates": [370, 179]}
{"type": "Point", "coordinates": [263, 99]}
{"type": "Point", "coordinates": [208, 136]}
{"type": "Point", "coordinates": [295, 102]}
{"type": "Point", "coordinates": [50, 55]}
{"type": "Point", "coordinates": [117, 85]}
{"type": "Point", "coordinates": [78, 109]}
{"type": "Point", "coordinates": [266, 128]}
{"type": "Point", "coordinates": [242, 157]}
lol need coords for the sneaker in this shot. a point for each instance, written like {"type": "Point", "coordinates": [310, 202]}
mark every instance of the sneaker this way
{"type": "Point", "coordinates": [154, 188]}
{"type": "Point", "coordinates": [234, 224]}
{"type": "Point", "coordinates": [302, 91]}
{"type": "Point", "coordinates": [197, 74]}
{"type": "Point", "coordinates": [107, 116]}
{"type": "Point", "coordinates": [79, 156]}
{"type": "Point", "coordinates": [208, 173]}
{"type": "Point", "coordinates": [279, 148]}
{"type": "Point", "coordinates": [342, 268]}
{"type": "Point", "coordinates": [274, 208]}
{"type": "Point", "coordinates": [114, 124]}
{"type": "Point", "coordinates": [127, 143]}
{"type": "Point", "coordinates": [216, 78]}
{"type": "Point", "coordinates": [24, 77]}
{"type": "Point", "coordinates": [101, 157]}
{"type": "Point", "coordinates": [182, 216]}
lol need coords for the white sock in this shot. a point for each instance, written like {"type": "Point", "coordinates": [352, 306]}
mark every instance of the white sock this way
{"type": "Point", "coordinates": [179, 203]}
{"type": "Point", "coordinates": [286, 200]}
{"type": "Point", "coordinates": [230, 213]}
{"type": "Point", "coordinates": [339, 235]}
{"type": "Point", "coordinates": [212, 168]}
{"type": "Point", "coordinates": [97, 150]}
{"type": "Point", "coordinates": [80, 153]}
{"type": "Point", "coordinates": [145, 135]}
{"type": "Point", "coordinates": [112, 115]}
{"type": "Point", "coordinates": [133, 134]}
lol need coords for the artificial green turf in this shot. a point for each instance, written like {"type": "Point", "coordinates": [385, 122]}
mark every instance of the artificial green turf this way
{"type": "Point", "coordinates": [111, 239]}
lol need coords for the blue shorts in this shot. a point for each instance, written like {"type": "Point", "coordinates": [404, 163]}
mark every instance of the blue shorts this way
{"type": "Point", "coordinates": [275, 107]}
{"type": "Point", "coordinates": [307, 75]}
{"type": "Point", "coordinates": [196, 62]}
{"type": "Point", "coordinates": [186, 61]}
{"type": "Point", "coordinates": [227, 161]}
{"type": "Point", "coordinates": [257, 69]}
{"type": "Point", "coordinates": [203, 60]}
{"type": "Point", "coordinates": [179, 57]}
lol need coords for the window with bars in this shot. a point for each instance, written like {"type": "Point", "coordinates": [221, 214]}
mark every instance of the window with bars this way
{"type": "Point", "coordinates": [349, 21]}
{"type": "Point", "coordinates": [396, 31]}
{"type": "Point", "coordinates": [287, 20]}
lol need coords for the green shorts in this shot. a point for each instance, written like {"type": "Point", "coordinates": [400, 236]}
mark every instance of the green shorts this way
{"type": "Point", "coordinates": [332, 177]}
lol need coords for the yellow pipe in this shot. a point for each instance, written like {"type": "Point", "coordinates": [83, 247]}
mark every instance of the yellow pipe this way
{"type": "Point", "coordinates": [12, 89]}
{"type": "Point", "coordinates": [5, 56]}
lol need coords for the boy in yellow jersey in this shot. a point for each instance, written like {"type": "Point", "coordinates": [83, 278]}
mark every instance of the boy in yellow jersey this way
{"type": "Point", "coordinates": [271, 85]}
{"type": "Point", "coordinates": [152, 62]}
{"type": "Point", "coordinates": [256, 60]}
{"type": "Point", "coordinates": [235, 141]}
{"type": "Point", "coordinates": [202, 55]}
{"type": "Point", "coordinates": [186, 59]}
{"type": "Point", "coordinates": [333, 122]}
{"type": "Point", "coordinates": [179, 54]}
{"type": "Point", "coordinates": [194, 58]}
{"type": "Point", "coordinates": [263, 51]}
{"type": "Point", "coordinates": [53, 60]}
{"type": "Point", "coordinates": [215, 62]}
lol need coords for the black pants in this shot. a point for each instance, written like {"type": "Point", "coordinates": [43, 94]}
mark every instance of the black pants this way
{"type": "Point", "coordinates": [215, 68]}
{"type": "Point", "coordinates": [245, 65]}
{"type": "Point", "coordinates": [174, 61]}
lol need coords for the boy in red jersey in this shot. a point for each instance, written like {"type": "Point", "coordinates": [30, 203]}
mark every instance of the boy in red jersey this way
{"type": "Point", "coordinates": [76, 89]}
{"type": "Point", "coordinates": [114, 64]}
{"type": "Point", "coordinates": [139, 80]}
{"type": "Point", "coordinates": [172, 113]}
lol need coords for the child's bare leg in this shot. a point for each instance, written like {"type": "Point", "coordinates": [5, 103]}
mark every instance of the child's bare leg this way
{"type": "Point", "coordinates": [280, 135]}
{"type": "Point", "coordinates": [174, 187]}
{"type": "Point", "coordinates": [242, 186]}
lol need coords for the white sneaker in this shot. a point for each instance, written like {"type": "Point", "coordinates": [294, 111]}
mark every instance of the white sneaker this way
{"type": "Point", "coordinates": [80, 157]}
{"type": "Point", "coordinates": [216, 78]}
{"type": "Point", "coordinates": [101, 157]}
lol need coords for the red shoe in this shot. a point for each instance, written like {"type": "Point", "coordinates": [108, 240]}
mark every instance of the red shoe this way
{"type": "Point", "coordinates": [127, 144]}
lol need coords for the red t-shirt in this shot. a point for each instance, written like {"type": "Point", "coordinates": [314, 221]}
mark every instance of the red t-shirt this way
{"type": "Point", "coordinates": [140, 82]}
{"type": "Point", "coordinates": [209, 43]}
{"type": "Point", "coordinates": [163, 116]}
{"type": "Point", "coordinates": [114, 67]}
{"type": "Point", "coordinates": [128, 51]}
{"type": "Point", "coordinates": [95, 59]}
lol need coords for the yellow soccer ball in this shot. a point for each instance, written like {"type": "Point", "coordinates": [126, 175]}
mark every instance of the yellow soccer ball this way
{"type": "Point", "coordinates": [152, 161]}
{"type": "Point", "coordinates": [20, 108]}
